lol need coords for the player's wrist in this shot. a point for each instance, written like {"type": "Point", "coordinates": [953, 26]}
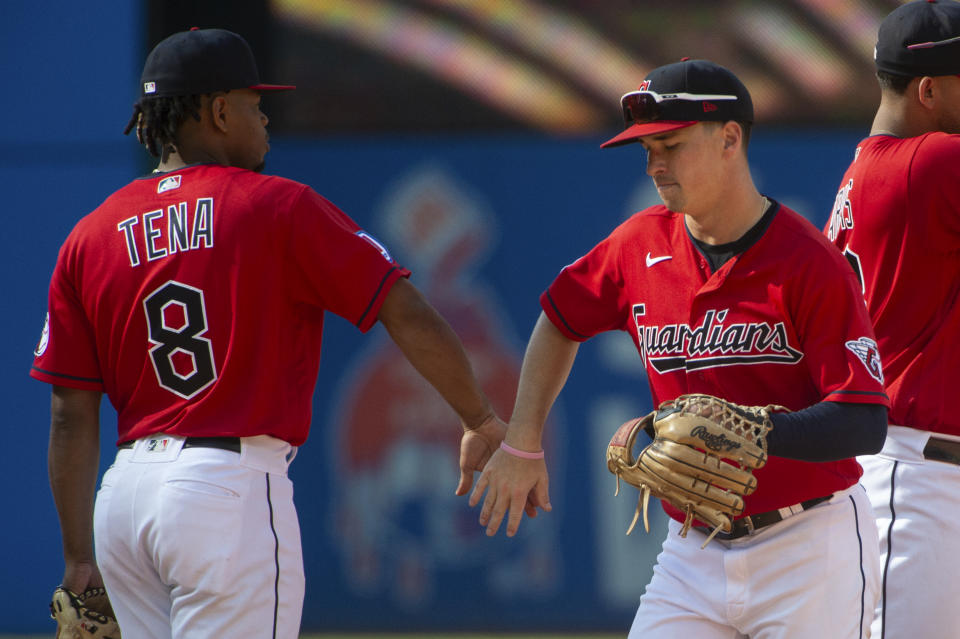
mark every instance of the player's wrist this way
{"type": "Point", "coordinates": [522, 437]}
{"type": "Point", "coordinates": [487, 417]}
{"type": "Point", "coordinates": [522, 454]}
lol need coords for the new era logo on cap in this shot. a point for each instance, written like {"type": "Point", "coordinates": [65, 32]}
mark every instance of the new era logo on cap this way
{"type": "Point", "coordinates": [149, 87]}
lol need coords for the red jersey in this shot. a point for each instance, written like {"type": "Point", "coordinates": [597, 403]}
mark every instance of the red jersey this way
{"type": "Point", "coordinates": [195, 299]}
{"type": "Point", "coordinates": [781, 323]}
{"type": "Point", "coordinates": [897, 219]}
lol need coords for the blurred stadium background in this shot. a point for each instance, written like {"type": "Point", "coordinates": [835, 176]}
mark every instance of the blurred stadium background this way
{"type": "Point", "coordinates": [465, 135]}
{"type": "Point", "coordinates": [555, 66]}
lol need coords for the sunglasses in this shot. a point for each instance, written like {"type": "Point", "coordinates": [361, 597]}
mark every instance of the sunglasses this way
{"type": "Point", "coordinates": [649, 106]}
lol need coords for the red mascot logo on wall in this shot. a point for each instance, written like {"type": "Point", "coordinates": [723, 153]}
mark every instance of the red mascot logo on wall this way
{"type": "Point", "coordinates": [400, 528]}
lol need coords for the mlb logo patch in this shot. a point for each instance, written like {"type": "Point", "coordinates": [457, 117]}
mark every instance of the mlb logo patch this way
{"type": "Point", "coordinates": [149, 87]}
{"type": "Point", "coordinates": [169, 183]}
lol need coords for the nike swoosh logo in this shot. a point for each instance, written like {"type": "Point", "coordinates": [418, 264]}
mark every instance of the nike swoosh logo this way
{"type": "Point", "coordinates": [656, 260]}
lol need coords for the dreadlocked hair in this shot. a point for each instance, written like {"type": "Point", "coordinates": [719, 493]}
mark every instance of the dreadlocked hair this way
{"type": "Point", "coordinates": [158, 119]}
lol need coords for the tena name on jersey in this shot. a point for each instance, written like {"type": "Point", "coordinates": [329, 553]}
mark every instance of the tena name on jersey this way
{"type": "Point", "coordinates": [168, 183]}
{"type": "Point", "coordinates": [868, 353]}
{"type": "Point", "coordinates": [170, 230]}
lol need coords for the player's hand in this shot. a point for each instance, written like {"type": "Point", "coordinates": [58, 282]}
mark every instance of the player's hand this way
{"type": "Point", "coordinates": [513, 486]}
{"type": "Point", "coordinates": [476, 447]}
{"type": "Point", "coordinates": [79, 575]}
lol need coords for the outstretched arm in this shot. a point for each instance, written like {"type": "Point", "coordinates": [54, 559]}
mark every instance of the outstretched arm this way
{"type": "Point", "coordinates": [512, 482]}
{"type": "Point", "coordinates": [73, 460]}
{"type": "Point", "coordinates": [435, 351]}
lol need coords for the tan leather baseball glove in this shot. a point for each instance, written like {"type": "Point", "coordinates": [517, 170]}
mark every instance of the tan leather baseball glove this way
{"type": "Point", "coordinates": [84, 616]}
{"type": "Point", "coordinates": [701, 460]}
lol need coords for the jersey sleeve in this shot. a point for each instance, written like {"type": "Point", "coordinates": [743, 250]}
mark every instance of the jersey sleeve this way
{"type": "Point", "coordinates": [586, 298]}
{"type": "Point", "coordinates": [335, 265]}
{"type": "Point", "coordinates": [935, 178]}
{"type": "Point", "coordinates": [66, 354]}
{"type": "Point", "coordinates": [835, 330]}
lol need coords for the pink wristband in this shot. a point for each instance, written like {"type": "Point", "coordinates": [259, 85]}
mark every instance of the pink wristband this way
{"type": "Point", "coordinates": [522, 454]}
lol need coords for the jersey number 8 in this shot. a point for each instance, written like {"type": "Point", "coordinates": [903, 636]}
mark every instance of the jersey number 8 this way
{"type": "Point", "coordinates": [176, 319]}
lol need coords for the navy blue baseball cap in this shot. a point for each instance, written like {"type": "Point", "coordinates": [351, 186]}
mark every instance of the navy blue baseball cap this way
{"type": "Point", "coordinates": [201, 61]}
{"type": "Point", "coordinates": [920, 39]}
{"type": "Point", "coordinates": [679, 95]}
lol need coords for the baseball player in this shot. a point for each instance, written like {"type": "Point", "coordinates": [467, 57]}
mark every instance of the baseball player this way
{"type": "Point", "coordinates": [728, 293]}
{"type": "Point", "coordinates": [897, 220]}
{"type": "Point", "coordinates": [194, 298]}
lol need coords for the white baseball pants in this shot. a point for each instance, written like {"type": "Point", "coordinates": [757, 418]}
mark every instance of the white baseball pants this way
{"type": "Point", "coordinates": [201, 542]}
{"type": "Point", "coordinates": [815, 575]}
{"type": "Point", "coordinates": [917, 504]}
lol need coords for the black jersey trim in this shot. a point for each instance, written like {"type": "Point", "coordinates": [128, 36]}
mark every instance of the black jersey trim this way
{"type": "Point", "coordinates": [73, 377]}
{"type": "Point", "coordinates": [563, 319]}
{"type": "Point", "coordinates": [376, 295]}
{"type": "Point", "coordinates": [155, 173]}
{"type": "Point", "coordinates": [719, 254]}
{"type": "Point", "coordinates": [276, 561]}
{"type": "Point", "coordinates": [856, 392]}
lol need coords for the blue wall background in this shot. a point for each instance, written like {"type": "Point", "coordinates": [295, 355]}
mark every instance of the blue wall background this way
{"type": "Point", "coordinates": [386, 544]}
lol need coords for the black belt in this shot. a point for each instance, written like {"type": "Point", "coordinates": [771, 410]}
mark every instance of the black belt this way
{"type": "Point", "coordinates": [746, 525]}
{"type": "Point", "coordinates": [223, 443]}
{"type": "Point", "coordinates": [942, 450]}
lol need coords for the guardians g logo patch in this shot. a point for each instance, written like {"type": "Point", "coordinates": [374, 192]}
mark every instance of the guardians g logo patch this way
{"type": "Point", "coordinates": [868, 353]}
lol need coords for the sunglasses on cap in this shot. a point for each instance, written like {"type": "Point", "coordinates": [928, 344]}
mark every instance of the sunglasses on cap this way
{"type": "Point", "coordinates": [649, 106]}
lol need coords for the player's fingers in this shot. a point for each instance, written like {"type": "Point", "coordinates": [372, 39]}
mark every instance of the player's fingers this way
{"type": "Point", "coordinates": [517, 508]}
{"type": "Point", "coordinates": [542, 492]}
{"type": "Point", "coordinates": [466, 476]}
{"type": "Point", "coordinates": [466, 480]}
{"type": "Point", "coordinates": [530, 508]}
{"type": "Point", "coordinates": [494, 508]}
{"type": "Point", "coordinates": [478, 490]}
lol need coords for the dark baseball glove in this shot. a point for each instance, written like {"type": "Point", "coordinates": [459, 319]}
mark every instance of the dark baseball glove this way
{"type": "Point", "coordinates": [701, 460]}
{"type": "Point", "coordinates": [84, 616]}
